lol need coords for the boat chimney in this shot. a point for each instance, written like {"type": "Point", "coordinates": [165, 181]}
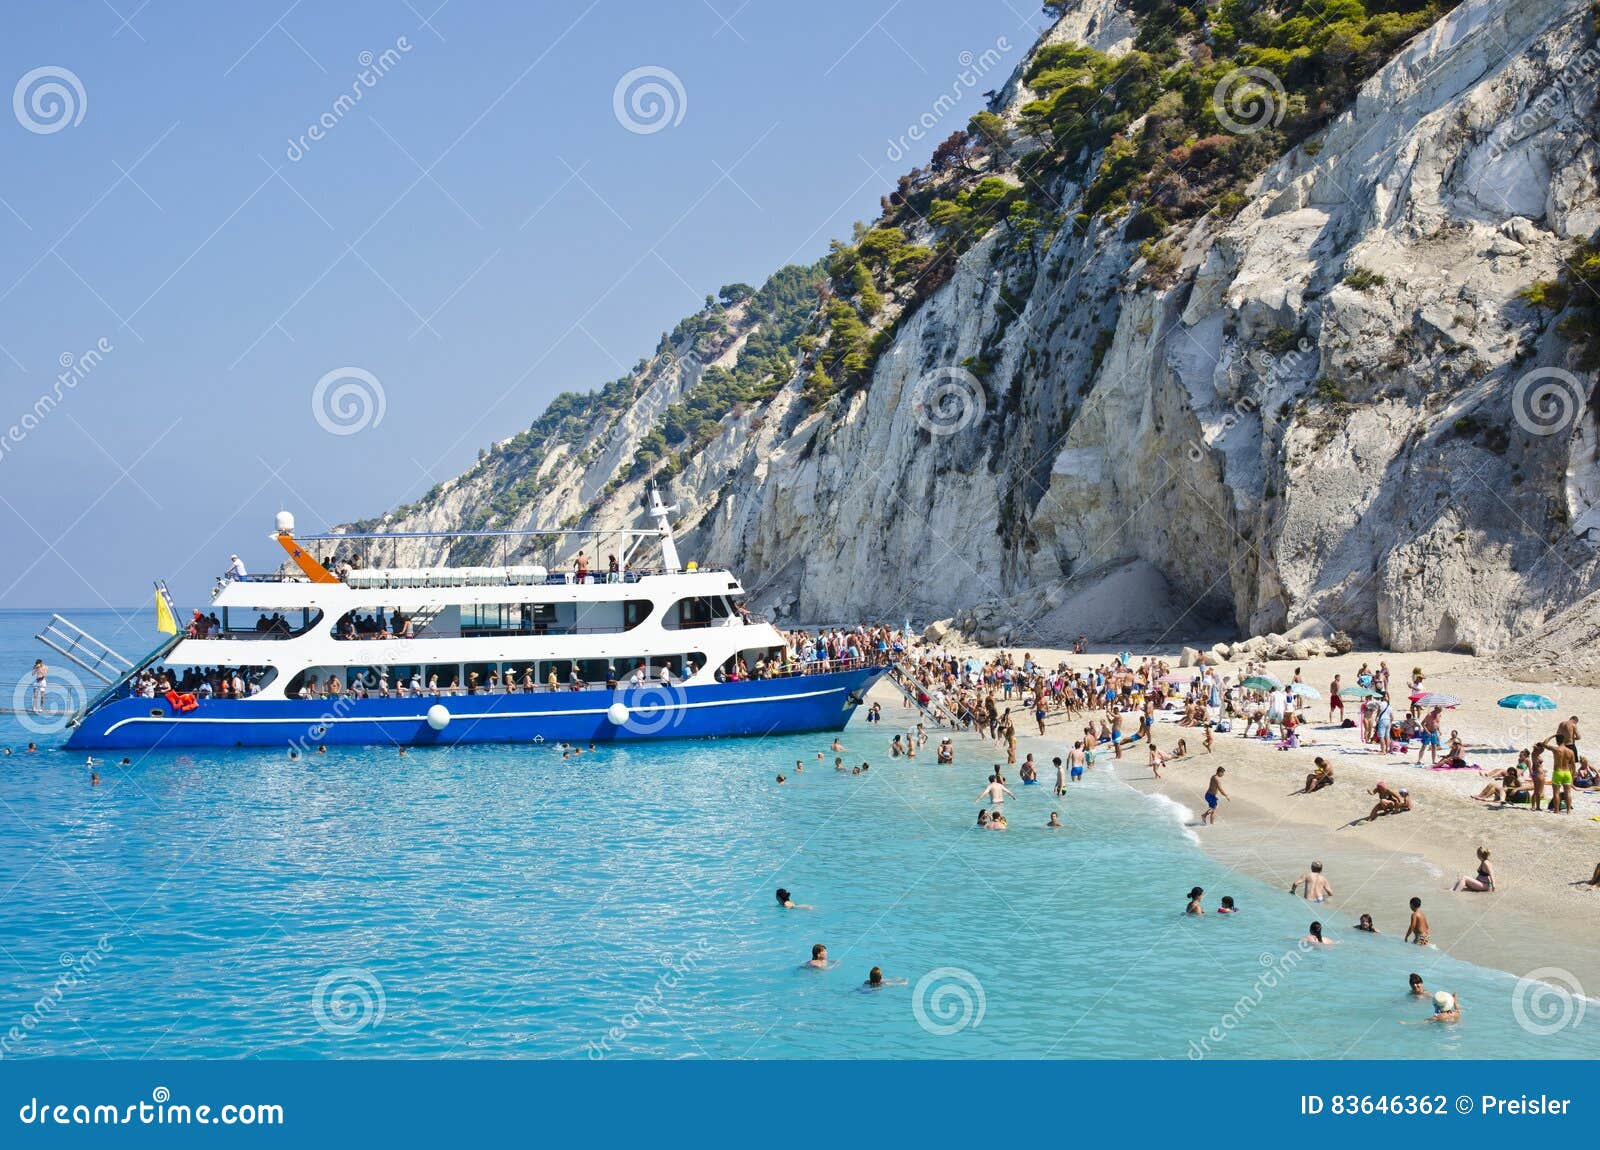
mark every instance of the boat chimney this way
{"type": "Point", "coordinates": [669, 549]}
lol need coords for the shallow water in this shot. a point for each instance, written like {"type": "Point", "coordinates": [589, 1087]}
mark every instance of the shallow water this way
{"type": "Point", "coordinates": [499, 901]}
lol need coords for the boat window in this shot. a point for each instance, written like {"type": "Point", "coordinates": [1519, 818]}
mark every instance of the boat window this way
{"type": "Point", "coordinates": [206, 682]}
{"type": "Point", "coordinates": [699, 611]}
{"type": "Point", "coordinates": [263, 623]}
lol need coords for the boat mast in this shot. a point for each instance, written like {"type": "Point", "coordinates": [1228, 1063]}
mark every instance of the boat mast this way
{"type": "Point", "coordinates": [669, 549]}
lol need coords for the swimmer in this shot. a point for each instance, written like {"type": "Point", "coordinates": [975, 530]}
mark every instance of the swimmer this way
{"type": "Point", "coordinates": [995, 793]}
{"type": "Point", "coordinates": [1315, 887]}
{"type": "Point", "coordinates": [838, 764]}
{"type": "Point", "coordinates": [322, 749]}
{"type": "Point", "coordinates": [787, 903]}
{"type": "Point", "coordinates": [1365, 925]}
{"type": "Point", "coordinates": [876, 981]}
{"type": "Point", "coordinates": [837, 745]}
{"type": "Point", "coordinates": [1227, 906]}
{"type": "Point", "coordinates": [1029, 773]}
{"type": "Point", "coordinates": [783, 779]}
{"type": "Point", "coordinates": [1061, 776]}
{"type": "Point", "coordinates": [126, 762]}
{"type": "Point", "coordinates": [819, 959]}
{"type": "Point", "coordinates": [799, 767]}
{"type": "Point", "coordinates": [1077, 759]}
{"type": "Point", "coordinates": [997, 821]}
{"type": "Point", "coordinates": [1194, 906]}
{"type": "Point", "coordinates": [865, 767]}
{"type": "Point", "coordinates": [402, 752]}
{"type": "Point", "coordinates": [1417, 989]}
{"type": "Point", "coordinates": [983, 819]}
{"type": "Point", "coordinates": [1417, 929]}
{"type": "Point", "coordinates": [90, 762]}
{"type": "Point", "coordinates": [1446, 1008]}
{"type": "Point", "coordinates": [1314, 935]}
{"type": "Point", "coordinates": [1055, 820]}
{"type": "Point", "coordinates": [31, 749]}
{"type": "Point", "coordinates": [94, 779]}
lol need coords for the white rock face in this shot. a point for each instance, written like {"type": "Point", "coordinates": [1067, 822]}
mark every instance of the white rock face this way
{"type": "Point", "coordinates": [1313, 430]}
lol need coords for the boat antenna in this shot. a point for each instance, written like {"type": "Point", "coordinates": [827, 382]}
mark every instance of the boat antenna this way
{"type": "Point", "coordinates": [659, 512]}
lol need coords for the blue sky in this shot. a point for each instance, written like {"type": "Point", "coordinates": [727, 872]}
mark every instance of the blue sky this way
{"type": "Point", "coordinates": [481, 231]}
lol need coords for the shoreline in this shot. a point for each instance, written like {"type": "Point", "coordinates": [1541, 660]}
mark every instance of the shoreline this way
{"type": "Point", "coordinates": [1541, 916]}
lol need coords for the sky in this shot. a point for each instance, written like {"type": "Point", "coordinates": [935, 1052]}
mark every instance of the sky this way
{"type": "Point", "coordinates": [228, 286]}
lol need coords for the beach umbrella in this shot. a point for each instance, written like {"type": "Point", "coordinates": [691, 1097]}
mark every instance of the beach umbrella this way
{"type": "Point", "coordinates": [1176, 678]}
{"type": "Point", "coordinates": [1528, 703]}
{"type": "Point", "coordinates": [1435, 699]}
{"type": "Point", "coordinates": [1358, 693]}
{"type": "Point", "coordinates": [1304, 691]}
{"type": "Point", "coordinates": [1262, 683]}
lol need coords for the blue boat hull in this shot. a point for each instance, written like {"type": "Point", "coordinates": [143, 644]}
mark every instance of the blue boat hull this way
{"type": "Point", "coordinates": [822, 702]}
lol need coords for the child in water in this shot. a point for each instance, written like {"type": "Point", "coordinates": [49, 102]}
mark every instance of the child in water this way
{"type": "Point", "coordinates": [1227, 906]}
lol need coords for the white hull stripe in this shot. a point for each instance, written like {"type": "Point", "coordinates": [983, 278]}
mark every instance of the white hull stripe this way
{"type": "Point", "coordinates": [329, 720]}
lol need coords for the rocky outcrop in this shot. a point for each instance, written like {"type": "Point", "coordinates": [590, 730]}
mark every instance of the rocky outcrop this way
{"type": "Point", "coordinates": [1318, 418]}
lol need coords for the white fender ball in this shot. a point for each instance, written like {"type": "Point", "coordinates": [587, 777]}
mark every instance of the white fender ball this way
{"type": "Point", "coordinates": [438, 717]}
{"type": "Point", "coordinates": [617, 713]}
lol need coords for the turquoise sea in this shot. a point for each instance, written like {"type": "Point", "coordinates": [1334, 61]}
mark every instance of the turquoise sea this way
{"type": "Point", "coordinates": [503, 902]}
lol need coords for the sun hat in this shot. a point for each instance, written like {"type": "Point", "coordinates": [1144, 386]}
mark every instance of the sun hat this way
{"type": "Point", "coordinates": [1444, 1000]}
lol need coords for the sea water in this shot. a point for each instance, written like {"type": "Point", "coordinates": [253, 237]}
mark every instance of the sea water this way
{"type": "Point", "coordinates": [507, 902]}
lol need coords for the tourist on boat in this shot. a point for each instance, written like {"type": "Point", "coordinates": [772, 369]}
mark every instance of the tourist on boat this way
{"type": "Point", "coordinates": [235, 568]}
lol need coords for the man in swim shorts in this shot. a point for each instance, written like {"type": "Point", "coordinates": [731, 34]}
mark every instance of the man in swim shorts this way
{"type": "Point", "coordinates": [1560, 774]}
{"type": "Point", "coordinates": [1214, 791]}
{"type": "Point", "coordinates": [1077, 759]}
{"type": "Point", "coordinates": [1315, 887]}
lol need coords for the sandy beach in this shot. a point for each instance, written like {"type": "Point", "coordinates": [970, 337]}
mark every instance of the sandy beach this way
{"type": "Point", "coordinates": [1542, 915]}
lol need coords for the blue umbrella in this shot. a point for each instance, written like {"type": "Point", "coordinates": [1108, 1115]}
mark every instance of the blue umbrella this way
{"type": "Point", "coordinates": [1304, 691]}
{"type": "Point", "coordinates": [1528, 703]}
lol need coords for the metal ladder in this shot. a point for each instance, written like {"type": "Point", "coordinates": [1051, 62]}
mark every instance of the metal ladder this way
{"type": "Point", "coordinates": [938, 714]}
{"type": "Point", "coordinates": [75, 644]}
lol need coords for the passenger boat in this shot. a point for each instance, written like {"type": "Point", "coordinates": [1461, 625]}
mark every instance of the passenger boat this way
{"type": "Point", "coordinates": [466, 655]}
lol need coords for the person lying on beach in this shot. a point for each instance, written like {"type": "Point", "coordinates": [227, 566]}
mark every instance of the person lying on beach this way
{"type": "Point", "coordinates": [787, 903]}
{"type": "Point", "coordinates": [1314, 935]}
{"type": "Point", "coordinates": [1316, 887]}
{"type": "Point", "coordinates": [1319, 778]}
{"type": "Point", "coordinates": [1365, 925]}
{"type": "Point", "coordinates": [1194, 906]}
{"type": "Point", "coordinates": [1483, 881]}
{"type": "Point", "coordinates": [1417, 989]}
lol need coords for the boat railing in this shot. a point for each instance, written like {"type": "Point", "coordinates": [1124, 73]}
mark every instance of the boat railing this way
{"type": "Point", "coordinates": [552, 578]}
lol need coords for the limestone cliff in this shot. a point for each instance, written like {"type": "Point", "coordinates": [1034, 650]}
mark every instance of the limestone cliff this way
{"type": "Point", "coordinates": [1161, 405]}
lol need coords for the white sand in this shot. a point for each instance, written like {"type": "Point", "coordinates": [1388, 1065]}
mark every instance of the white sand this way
{"type": "Point", "coordinates": [1541, 915]}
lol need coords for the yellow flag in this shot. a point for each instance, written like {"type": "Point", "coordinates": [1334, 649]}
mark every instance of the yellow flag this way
{"type": "Point", "coordinates": [165, 623]}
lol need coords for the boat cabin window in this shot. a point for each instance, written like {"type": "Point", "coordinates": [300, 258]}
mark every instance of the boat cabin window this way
{"type": "Point", "coordinates": [264, 623]}
{"type": "Point", "coordinates": [485, 620]}
{"type": "Point", "coordinates": [202, 682]}
{"type": "Point", "coordinates": [699, 611]}
{"type": "Point", "coordinates": [407, 680]}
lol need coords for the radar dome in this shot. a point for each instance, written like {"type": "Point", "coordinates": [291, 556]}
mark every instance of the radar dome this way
{"type": "Point", "coordinates": [285, 523]}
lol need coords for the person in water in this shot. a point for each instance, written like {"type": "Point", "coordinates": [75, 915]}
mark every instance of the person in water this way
{"type": "Point", "coordinates": [787, 903]}
{"type": "Point", "coordinates": [1227, 906]}
{"type": "Point", "coordinates": [819, 958]}
{"type": "Point", "coordinates": [1446, 1008]}
{"type": "Point", "coordinates": [1417, 989]}
{"type": "Point", "coordinates": [1314, 935]}
{"type": "Point", "coordinates": [995, 793]}
{"type": "Point", "coordinates": [1417, 929]}
{"type": "Point", "coordinates": [1055, 820]}
{"type": "Point", "coordinates": [876, 981]}
{"type": "Point", "coordinates": [1194, 906]}
{"type": "Point", "coordinates": [1365, 925]}
{"type": "Point", "coordinates": [1315, 886]}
